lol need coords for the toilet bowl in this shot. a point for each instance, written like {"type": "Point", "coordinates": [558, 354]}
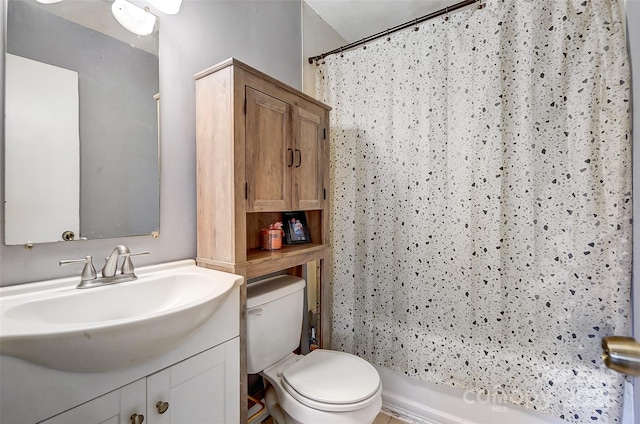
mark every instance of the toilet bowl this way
{"type": "Point", "coordinates": [321, 387]}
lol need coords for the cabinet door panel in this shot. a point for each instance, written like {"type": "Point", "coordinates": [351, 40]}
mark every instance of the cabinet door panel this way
{"type": "Point", "coordinates": [198, 389]}
{"type": "Point", "coordinates": [200, 400]}
{"type": "Point", "coordinates": [159, 390]}
{"type": "Point", "coordinates": [268, 152]}
{"type": "Point", "coordinates": [133, 400]}
{"type": "Point", "coordinates": [113, 408]}
{"type": "Point", "coordinates": [308, 189]}
{"type": "Point", "coordinates": [105, 409]}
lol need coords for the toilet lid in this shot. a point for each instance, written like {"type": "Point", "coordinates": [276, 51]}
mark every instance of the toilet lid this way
{"type": "Point", "coordinates": [332, 377]}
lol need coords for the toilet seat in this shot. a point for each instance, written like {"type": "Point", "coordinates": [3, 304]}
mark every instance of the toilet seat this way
{"type": "Point", "coordinates": [332, 381]}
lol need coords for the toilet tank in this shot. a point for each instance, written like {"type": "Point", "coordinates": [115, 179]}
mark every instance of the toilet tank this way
{"type": "Point", "coordinates": [274, 320]}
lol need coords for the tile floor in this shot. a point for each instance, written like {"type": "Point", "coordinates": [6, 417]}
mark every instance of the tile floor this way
{"type": "Point", "coordinates": [383, 418]}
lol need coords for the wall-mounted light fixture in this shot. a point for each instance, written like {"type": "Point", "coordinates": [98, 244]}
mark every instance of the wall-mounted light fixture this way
{"type": "Point", "coordinates": [134, 18]}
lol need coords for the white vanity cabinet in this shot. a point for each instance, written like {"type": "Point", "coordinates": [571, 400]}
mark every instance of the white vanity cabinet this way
{"type": "Point", "coordinates": [202, 389]}
{"type": "Point", "coordinates": [199, 377]}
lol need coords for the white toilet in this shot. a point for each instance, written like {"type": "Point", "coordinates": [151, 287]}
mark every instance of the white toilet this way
{"type": "Point", "coordinates": [322, 387]}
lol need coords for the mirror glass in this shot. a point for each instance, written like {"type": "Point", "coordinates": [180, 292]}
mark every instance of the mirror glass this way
{"type": "Point", "coordinates": [81, 124]}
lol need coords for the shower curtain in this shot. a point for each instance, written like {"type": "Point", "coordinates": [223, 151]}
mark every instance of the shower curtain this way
{"type": "Point", "coordinates": [481, 183]}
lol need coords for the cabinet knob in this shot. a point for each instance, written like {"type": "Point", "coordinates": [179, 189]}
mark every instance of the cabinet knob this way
{"type": "Point", "coordinates": [162, 407]}
{"type": "Point", "coordinates": [137, 419]}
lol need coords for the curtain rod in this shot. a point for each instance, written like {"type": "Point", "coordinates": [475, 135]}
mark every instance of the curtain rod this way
{"type": "Point", "coordinates": [416, 21]}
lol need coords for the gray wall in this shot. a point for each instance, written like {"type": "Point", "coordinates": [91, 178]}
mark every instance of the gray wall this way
{"type": "Point", "coordinates": [265, 34]}
{"type": "Point", "coordinates": [317, 38]}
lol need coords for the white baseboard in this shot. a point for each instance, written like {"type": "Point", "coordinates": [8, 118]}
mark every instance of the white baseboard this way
{"type": "Point", "coordinates": [421, 402]}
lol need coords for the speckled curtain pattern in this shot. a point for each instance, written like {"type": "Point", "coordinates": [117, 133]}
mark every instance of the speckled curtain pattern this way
{"type": "Point", "coordinates": [482, 202]}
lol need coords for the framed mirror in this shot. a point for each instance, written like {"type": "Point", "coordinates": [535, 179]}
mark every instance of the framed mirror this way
{"type": "Point", "coordinates": [81, 124]}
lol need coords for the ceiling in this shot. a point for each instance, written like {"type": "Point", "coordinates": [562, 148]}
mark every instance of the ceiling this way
{"type": "Point", "coordinates": [357, 19]}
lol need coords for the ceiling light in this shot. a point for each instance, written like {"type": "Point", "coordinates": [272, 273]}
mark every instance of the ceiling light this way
{"type": "Point", "coordinates": [133, 18]}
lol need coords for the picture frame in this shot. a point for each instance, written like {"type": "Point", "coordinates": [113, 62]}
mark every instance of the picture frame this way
{"type": "Point", "coordinates": [295, 227]}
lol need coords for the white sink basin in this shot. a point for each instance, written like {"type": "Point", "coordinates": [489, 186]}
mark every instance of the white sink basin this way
{"type": "Point", "coordinates": [55, 325]}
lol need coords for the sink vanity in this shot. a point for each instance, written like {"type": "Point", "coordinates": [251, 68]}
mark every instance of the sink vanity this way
{"type": "Point", "coordinates": [163, 348]}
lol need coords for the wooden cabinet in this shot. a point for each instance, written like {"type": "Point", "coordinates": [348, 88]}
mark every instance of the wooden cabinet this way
{"type": "Point", "coordinates": [261, 149]}
{"type": "Point", "coordinates": [201, 389]}
{"type": "Point", "coordinates": [284, 155]}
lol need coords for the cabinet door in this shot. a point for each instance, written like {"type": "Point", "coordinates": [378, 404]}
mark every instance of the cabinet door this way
{"type": "Point", "coordinates": [201, 390]}
{"type": "Point", "coordinates": [269, 152]}
{"type": "Point", "coordinates": [159, 397]}
{"type": "Point", "coordinates": [308, 161]}
{"type": "Point", "coordinates": [115, 407]}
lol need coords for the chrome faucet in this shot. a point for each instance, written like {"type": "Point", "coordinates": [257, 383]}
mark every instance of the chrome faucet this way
{"type": "Point", "coordinates": [111, 264]}
{"type": "Point", "coordinates": [89, 277]}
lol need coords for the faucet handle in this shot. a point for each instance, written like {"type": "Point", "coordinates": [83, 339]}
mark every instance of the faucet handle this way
{"type": "Point", "coordinates": [127, 265]}
{"type": "Point", "coordinates": [88, 272]}
{"type": "Point", "coordinates": [144, 252]}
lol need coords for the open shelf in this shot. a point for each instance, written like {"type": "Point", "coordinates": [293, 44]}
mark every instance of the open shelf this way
{"type": "Point", "coordinates": [258, 220]}
{"type": "Point", "coordinates": [260, 262]}
{"type": "Point", "coordinates": [259, 255]}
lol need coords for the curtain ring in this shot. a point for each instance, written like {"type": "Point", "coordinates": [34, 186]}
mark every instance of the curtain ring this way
{"type": "Point", "coordinates": [388, 37]}
{"type": "Point", "coordinates": [480, 5]}
{"type": "Point", "coordinates": [341, 55]}
{"type": "Point", "coordinates": [322, 58]}
{"type": "Point", "coordinates": [416, 28]}
{"type": "Point", "coordinates": [316, 59]}
{"type": "Point", "coordinates": [364, 46]}
{"type": "Point", "coordinates": [446, 11]}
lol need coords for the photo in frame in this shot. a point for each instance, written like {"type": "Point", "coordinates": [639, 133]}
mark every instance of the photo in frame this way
{"type": "Point", "coordinates": [295, 227]}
